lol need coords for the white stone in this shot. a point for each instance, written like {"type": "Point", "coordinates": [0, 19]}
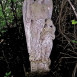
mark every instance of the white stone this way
{"type": "Point", "coordinates": [39, 33]}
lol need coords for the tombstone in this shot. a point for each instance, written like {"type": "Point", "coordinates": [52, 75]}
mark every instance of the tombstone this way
{"type": "Point", "coordinates": [39, 32]}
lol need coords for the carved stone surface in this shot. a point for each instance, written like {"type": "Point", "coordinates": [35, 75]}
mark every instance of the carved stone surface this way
{"type": "Point", "coordinates": [40, 32]}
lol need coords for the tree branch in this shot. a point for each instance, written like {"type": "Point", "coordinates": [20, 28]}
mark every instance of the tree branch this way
{"type": "Point", "coordinates": [73, 8]}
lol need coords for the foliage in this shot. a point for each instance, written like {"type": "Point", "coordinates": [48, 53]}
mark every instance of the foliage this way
{"type": "Point", "coordinates": [7, 74]}
{"type": "Point", "coordinates": [10, 14]}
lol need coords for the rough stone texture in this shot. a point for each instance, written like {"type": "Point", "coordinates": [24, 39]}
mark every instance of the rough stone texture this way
{"type": "Point", "coordinates": [40, 33]}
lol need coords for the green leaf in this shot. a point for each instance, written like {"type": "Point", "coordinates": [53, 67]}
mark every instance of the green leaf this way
{"type": "Point", "coordinates": [74, 22]}
{"type": "Point", "coordinates": [0, 7]}
{"type": "Point", "coordinates": [15, 0]}
{"type": "Point", "coordinates": [3, 23]}
{"type": "Point", "coordinates": [1, 13]}
{"type": "Point", "coordinates": [74, 41]}
{"type": "Point", "coordinates": [3, 32]}
{"type": "Point", "coordinates": [10, 21]}
{"type": "Point", "coordinates": [9, 0]}
{"type": "Point", "coordinates": [7, 10]}
{"type": "Point", "coordinates": [7, 74]}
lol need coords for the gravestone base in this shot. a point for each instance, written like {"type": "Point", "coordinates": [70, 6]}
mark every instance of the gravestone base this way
{"type": "Point", "coordinates": [40, 66]}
